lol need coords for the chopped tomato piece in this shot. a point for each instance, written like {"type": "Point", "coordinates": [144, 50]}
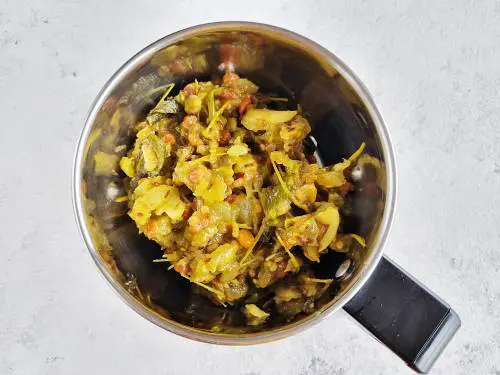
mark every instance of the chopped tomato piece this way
{"type": "Point", "coordinates": [230, 76]}
{"type": "Point", "coordinates": [169, 138]}
{"type": "Point", "coordinates": [244, 104]}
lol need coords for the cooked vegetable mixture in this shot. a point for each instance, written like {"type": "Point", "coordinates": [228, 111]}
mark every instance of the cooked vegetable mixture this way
{"type": "Point", "coordinates": [222, 184]}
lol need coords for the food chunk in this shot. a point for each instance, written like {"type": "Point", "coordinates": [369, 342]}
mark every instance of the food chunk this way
{"type": "Point", "coordinates": [218, 177]}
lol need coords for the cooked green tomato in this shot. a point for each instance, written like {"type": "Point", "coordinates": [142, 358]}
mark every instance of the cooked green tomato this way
{"type": "Point", "coordinates": [221, 182]}
{"type": "Point", "coordinates": [255, 316]}
{"type": "Point", "coordinates": [261, 119]}
{"type": "Point", "coordinates": [192, 104]}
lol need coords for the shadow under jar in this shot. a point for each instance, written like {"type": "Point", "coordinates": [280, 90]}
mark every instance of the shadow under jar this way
{"type": "Point", "coordinates": [398, 311]}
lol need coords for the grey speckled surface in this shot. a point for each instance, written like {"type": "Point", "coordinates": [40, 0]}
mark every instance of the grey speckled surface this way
{"type": "Point", "coordinates": [433, 68]}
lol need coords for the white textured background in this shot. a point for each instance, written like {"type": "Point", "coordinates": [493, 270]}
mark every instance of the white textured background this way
{"type": "Point", "coordinates": [434, 70]}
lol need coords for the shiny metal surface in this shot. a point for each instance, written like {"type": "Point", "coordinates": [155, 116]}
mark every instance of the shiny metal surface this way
{"type": "Point", "coordinates": [342, 115]}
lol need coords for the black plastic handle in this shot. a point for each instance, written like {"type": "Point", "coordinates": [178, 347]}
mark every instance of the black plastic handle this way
{"type": "Point", "coordinates": [405, 316]}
